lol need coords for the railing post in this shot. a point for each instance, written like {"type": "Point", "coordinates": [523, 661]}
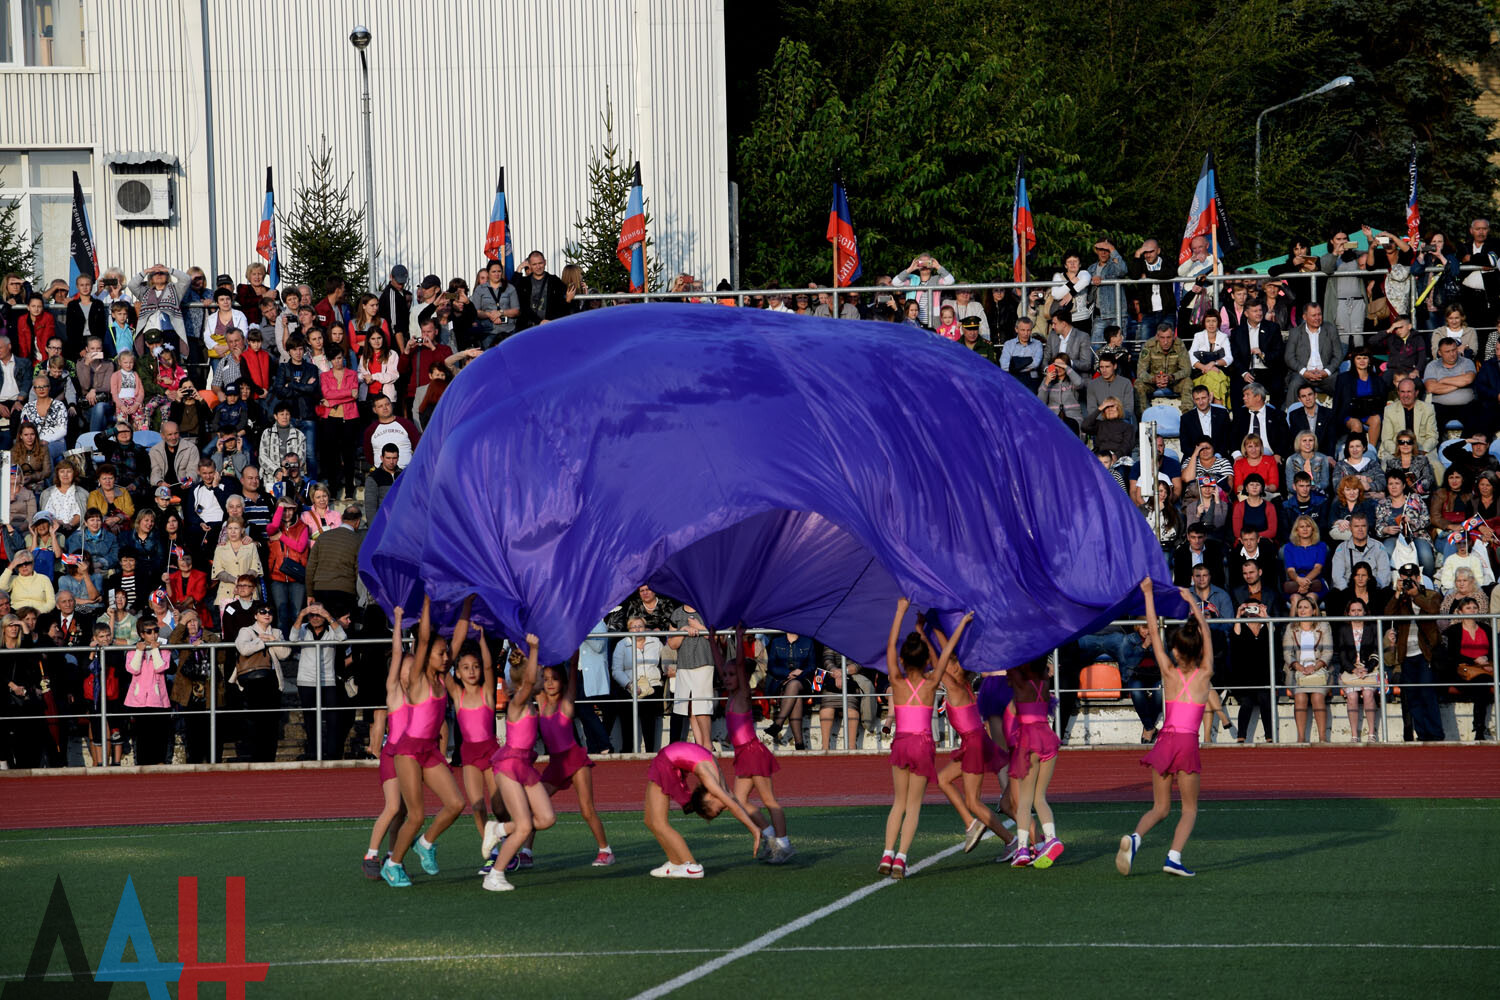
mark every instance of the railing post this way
{"type": "Point", "coordinates": [844, 700]}
{"type": "Point", "coordinates": [1271, 677]}
{"type": "Point", "coordinates": [1385, 730]}
{"type": "Point", "coordinates": [317, 733]}
{"type": "Point", "coordinates": [106, 748]}
{"type": "Point", "coordinates": [1494, 681]}
{"type": "Point", "coordinates": [213, 704]}
{"type": "Point", "coordinates": [635, 699]}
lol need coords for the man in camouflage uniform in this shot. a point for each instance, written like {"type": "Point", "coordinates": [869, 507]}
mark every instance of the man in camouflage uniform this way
{"type": "Point", "coordinates": [1164, 364]}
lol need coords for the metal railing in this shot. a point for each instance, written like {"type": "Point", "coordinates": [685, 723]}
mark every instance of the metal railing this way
{"type": "Point", "coordinates": [217, 714]}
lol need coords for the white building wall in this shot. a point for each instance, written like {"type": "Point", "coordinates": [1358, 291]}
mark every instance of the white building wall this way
{"type": "Point", "coordinates": [458, 90]}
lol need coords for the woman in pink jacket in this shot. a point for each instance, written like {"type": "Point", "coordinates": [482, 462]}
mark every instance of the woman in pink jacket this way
{"type": "Point", "coordinates": [337, 440]}
{"type": "Point", "coordinates": [147, 665]}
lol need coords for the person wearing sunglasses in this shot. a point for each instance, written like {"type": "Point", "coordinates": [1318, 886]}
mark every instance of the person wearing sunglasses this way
{"type": "Point", "coordinates": [147, 664]}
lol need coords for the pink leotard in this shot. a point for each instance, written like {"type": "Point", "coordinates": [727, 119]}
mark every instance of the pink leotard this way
{"type": "Point", "coordinates": [557, 732]}
{"type": "Point", "coordinates": [685, 756]}
{"type": "Point", "coordinates": [564, 756]}
{"type": "Point", "coordinates": [913, 717]}
{"type": "Point", "coordinates": [672, 765]}
{"type": "Point", "coordinates": [912, 749]}
{"type": "Point", "coordinates": [395, 726]}
{"type": "Point", "coordinates": [477, 724]}
{"type": "Point", "coordinates": [426, 719]}
{"type": "Point", "coordinates": [741, 726]}
{"type": "Point", "coordinates": [964, 718]}
{"type": "Point", "coordinates": [751, 758]}
{"type": "Point", "coordinates": [520, 737]}
{"type": "Point", "coordinates": [1184, 716]}
{"type": "Point", "coordinates": [1176, 748]}
{"type": "Point", "coordinates": [1034, 733]}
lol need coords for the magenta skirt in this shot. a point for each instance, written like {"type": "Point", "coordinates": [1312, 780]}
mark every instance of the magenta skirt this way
{"type": "Point", "coordinates": [915, 752]}
{"type": "Point", "coordinates": [753, 760]}
{"type": "Point", "coordinates": [562, 766]}
{"type": "Point", "coordinates": [517, 765]}
{"type": "Point", "coordinates": [1032, 738]}
{"type": "Point", "coordinates": [387, 764]}
{"type": "Point", "coordinates": [423, 751]}
{"type": "Point", "coordinates": [479, 754]}
{"type": "Point", "coordinates": [977, 753]}
{"type": "Point", "coordinates": [1174, 752]}
{"type": "Point", "coordinates": [668, 779]}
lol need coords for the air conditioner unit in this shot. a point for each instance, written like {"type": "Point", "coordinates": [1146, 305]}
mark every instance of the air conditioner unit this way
{"type": "Point", "coordinates": [141, 197]}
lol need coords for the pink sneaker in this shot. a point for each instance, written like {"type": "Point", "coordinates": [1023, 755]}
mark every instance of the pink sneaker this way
{"type": "Point", "coordinates": [604, 859]}
{"type": "Point", "coordinates": [898, 869]}
{"type": "Point", "coordinates": [886, 860]}
{"type": "Point", "coordinates": [1023, 858]}
{"type": "Point", "coordinates": [1047, 853]}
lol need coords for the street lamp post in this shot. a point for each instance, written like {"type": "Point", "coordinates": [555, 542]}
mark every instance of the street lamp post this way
{"type": "Point", "coordinates": [1334, 84]}
{"type": "Point", "coordinates": [360, 39]}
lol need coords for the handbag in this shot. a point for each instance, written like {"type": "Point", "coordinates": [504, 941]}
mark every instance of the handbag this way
{"type": "Point", "coordinates": [1348, 679]}
{"type": "Point", "coordinates": [292, 569]}
{"type": "Point", "coordinates": [1318, 678]}
{"type": "Point", "coordinates": [1378, 308]}
{"type": "Point", "coordinates": [1474, 671]}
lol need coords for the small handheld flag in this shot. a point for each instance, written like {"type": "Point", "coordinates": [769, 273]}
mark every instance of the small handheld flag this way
{"type": "Point", "coordinates": [72, 560]}
{"type": "Point", "coordinates": [265, 242]}
{"type": "Point", "coordinates": [631, 249]}
{"type": "Point", "coordinates": [83, 256]}
{"type": "Point", "coordinates": [1468, 530]}
{"type": "Point", "coordinates": [1413, 210]}
{"type": "Point", "coordinates": [846, 263]}
{"type": "Point", "coordinates": [497, 238]}
{"type": "Point", "coordinates": [1022, 225]}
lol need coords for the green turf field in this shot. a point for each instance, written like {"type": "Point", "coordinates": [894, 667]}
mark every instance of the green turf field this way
{"type": "Point", "coordinates": [1327, 898]}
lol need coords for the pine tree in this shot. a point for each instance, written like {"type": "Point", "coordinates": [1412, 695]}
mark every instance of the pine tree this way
{"type": "Point", "coordinates": [599, 229]}
{"type": "Point", "coordinates": [17, 253]}
{"type": "Point", "coordinates": [324, 237]}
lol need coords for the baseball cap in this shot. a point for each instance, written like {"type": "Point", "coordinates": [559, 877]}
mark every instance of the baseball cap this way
{"type": "Point", "coordinates": [223, 280]}
{"type": "Point", "coordinates": [398, 273]}
{"type": "Point", "coordinates": [40, 516]}
{"type": "Point", "coordinates": [432, 281]}
{"type": "Point", "coordinates": [163, 493]}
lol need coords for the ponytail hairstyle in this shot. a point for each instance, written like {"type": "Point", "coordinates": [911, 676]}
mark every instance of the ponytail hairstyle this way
{"type": "Point", "coordinates": [914, 654]}
{"type": "Point", "coordinates": [698, 803]}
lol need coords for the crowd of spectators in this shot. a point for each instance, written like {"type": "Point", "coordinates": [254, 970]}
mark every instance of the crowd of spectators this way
{"type": "Point", "coordinates": [202, 456]}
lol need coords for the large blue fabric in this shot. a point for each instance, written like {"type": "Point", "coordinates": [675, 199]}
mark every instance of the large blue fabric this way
{"type": "Point", "coordinates": [789, 472]}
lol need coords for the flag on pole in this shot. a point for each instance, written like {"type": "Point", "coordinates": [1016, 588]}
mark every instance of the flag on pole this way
{"type": "Point", "coordinates": [1413, 211]}
{"type": "Point", "coordinates": [632, 246]}
{"type": "Point", "coordinates": [1022, 225]}
{"type": "Point", "coordinates": [1207, 216]}
{"type": "Point", "coordinates": [83, 256]}
{"type": "Point", "coordinates": [497, 239]}
{"type": "Point", "coordinates": [846, 264]}
{"type": "Point", "coordinates": [265, 242]}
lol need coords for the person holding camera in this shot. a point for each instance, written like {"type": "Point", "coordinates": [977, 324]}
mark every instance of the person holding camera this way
{"type": "Point", "coordinates": [1412, 645]}
{"type": "Point", "coordinates": [1062, 387]}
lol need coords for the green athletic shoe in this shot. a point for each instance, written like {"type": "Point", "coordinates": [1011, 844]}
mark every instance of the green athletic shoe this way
{"type": "Point", "coordinates": [395, 875]}
{"type": "Point", "coordinates": [428, 857]}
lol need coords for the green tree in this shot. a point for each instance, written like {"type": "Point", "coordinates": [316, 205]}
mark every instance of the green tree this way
{"type": "Point", "coordinates": [17, 253]}
{"type": "Point", "coordinates": [598, 227]}
{"type": "Point", "coordinates": [928, 150]}
{"type": "Point", "coordinates": [324, 235]}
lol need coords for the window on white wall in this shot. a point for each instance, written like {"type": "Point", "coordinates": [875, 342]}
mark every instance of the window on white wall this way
{"type": "Point", "coordinates": [41, 33]}
{"type": "Point", "coordinates": [42, 182]}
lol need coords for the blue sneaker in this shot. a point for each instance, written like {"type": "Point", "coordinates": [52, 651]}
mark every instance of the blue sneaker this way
{"type": "Point", "coordinates": [428, 857]}
{"type": "Point", "coordinates": [1177, 868]}
{"type": "Point", "coordinates": [489, 864]}
{"type": "Point", "coordinates": [395, 875]}
{"type": "Point", "coordinates": [1125, 856]}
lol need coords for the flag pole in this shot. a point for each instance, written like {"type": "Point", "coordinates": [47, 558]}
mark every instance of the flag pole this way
{"type": "Point", "coordinates": [837, 177]}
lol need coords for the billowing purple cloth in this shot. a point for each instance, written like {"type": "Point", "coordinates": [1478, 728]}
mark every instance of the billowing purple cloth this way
{"type": "Point", "coordinates": [785, 471]}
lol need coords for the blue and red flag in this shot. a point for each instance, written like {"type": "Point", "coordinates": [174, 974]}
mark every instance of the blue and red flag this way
{"type": "Point", "coordinates": [497, 239]}
{"type": "Point", "coordinates": [83, 256]}
{"type": "Point", "coordinates": [846, 265]}
{"type": "Point", "coordinates": [265, 242]}
{"type": "Point", "coordinates": [632, 246]}
{"type": "Point", "coordinates": [1413, 210]}
{"type": "Point", "coordinates": [1207, 216]}
{"type": "Point", "coordinates": [1022, 225]}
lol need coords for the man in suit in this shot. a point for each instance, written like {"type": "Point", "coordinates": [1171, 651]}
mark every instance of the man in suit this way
{"type": "Point", "coordinates": [1262, 419]}
{"type": "Point", "coordinates": [1313, 353]}
{"type": "Point", "coordinates": [1257, 347]}
{"type": "Point", "coordinates": [1408, 413]}
{"type": "Point", "coordinates": [1310, 417]}
{"type": "Point", "coordinates": [1198, 549]}
{"type": "Point", "coordinates": [1206, 422]}
{"type": "Point", "coordinates": [1253, 548]}
{"type": "Point", "coordinates": [1064, 338]}
{"type": "Point", "coordinates": [1257, 588]}
{"type": "Point", "coordinates": [1151, 299]}
{"type": "Point", "coordinates": [1480, 289]}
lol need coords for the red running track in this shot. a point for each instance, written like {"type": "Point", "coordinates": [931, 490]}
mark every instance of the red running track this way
{"type": "Point", "coordinates": [238, 793]}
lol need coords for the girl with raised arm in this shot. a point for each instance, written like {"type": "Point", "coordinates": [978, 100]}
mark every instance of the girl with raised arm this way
{"type": "Point", "coordinates": [753, 762]}
{"type": "Point", "coordinates": [521, 789]}
{"type": "Point", "coordinates": [1186, 681]}
{"type": "Point", "coordinates": [385, 733]}
{"type": "Point", "coordinates": [474, 708]}
{"type": "Point", "coordinates": [666, 781]}
{"type": "Point", "coordinates": [419, 759]}
{"type": "Point", "coordinates": [568, 764]}
{"type": "Point", "coordinates": [914, 683]}
{"type": "Point", "coordinates": [976, 756]}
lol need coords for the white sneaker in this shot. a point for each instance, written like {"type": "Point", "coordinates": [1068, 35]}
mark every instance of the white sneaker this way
{"type": "Point", "coordinates": [496, 881]}
{"type": "Point", "coordinates": [662, 871]}
{"type": "Point", "coordinates": [973, 834]}
{"type": "Point", "coordinates": [494, 835]}
{"type": "Point", "coordinates": [691, 870]}
{"type": "Point", "coordinates": [781, 855]}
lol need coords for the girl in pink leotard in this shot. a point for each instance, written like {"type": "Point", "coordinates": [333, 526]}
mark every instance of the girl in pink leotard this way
{"type": "Point", "coordinates": [474, 708]}
{"type": "Point", "coordinates": [753, 762]}
{"type": "Point", "coordinates": [520, 784]}
{"type": "Point", "coordinates": [1187, 684]}
{"type": "Point", "coordinates": [1033, 757]}
{"type": "Point", "coordinates": [568, 763]}
{"type": "Point", "coordinates": [975, 757]}
{"type": "Point", "coordinates": [385, 733]}
{"type": "Point", "coordinates": [419, 757]}
{"type": "Point", "coordinates": [665, 781]}
{"type": "Point", "coordinates": [914, 683]}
